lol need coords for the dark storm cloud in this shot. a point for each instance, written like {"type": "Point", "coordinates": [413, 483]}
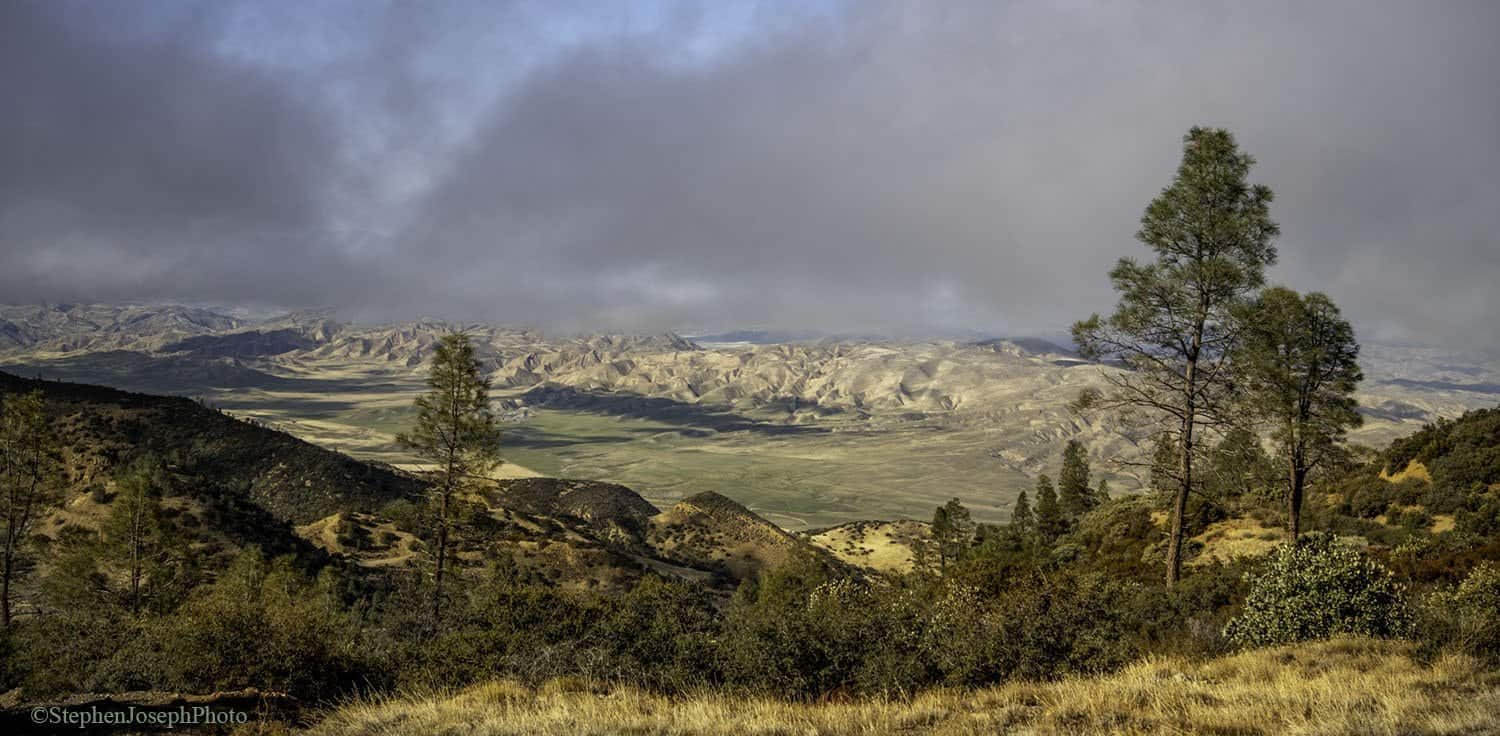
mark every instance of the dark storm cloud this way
{"type": "Point", "coordinates": [145, 166]}
{"type": "Point", "coordinates": [895, 166]}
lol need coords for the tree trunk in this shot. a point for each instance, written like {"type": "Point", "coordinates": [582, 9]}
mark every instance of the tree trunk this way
{"type": "Point", "coordinates": [442, 551]}
{"type": "Point", "coordinates": [135, 572]}
{"type": "Point", "coordinates": [1179, 506]}
{"type": "Point", "coordinates": [1185, 475]}
{"type": "Point", "coordinates": [5, 584]}
{"type": "Point", "coordinates": [1297, 478]}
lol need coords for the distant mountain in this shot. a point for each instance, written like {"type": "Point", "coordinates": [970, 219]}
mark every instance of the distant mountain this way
{"type": "Point", "coordinates": [62, 328]}
{"type": "Point", "coordinates": [761, 337]}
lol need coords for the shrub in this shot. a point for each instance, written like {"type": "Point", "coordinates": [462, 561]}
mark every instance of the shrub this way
{"type": "Point", "coordinates": [262, 624]}
{"type": "Point", "coordinates": [1041, 628]}
{"type": "Point", "coordinates": [1467, 618]}
{"type": "Point", "coordinates": [1316, 589]}
{"type": "Point", "coordinates": [660, 634]}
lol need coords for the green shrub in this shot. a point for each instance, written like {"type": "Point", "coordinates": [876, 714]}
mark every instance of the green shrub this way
{"type": "Point", "coordinates": [1041, 627]}
{"type": "Point", "coordinates": [262, 624]}
{"type": "Point", "coordinates": [1317, 589]}
{"type": "Point", "coordinates": [660, 634]}
{"type": "Point", "coordinates": [1467, 618]}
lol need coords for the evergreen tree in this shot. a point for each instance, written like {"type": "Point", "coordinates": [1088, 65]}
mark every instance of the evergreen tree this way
{"type": "Point", "coordinates": [135, 537]}
{"type": "Point", "coordinates": [952, 531]}
{"type": "Point", "coordinates": [28, 483]}
{"type": "Point", "coordinates": [941, 531]}
{"type": "Point", "coordinates": [1211, 234]}
{"type": "Point", "coordinates": [1073, 491]}
{"type": "Point", "coordinates": [1299, 362]}
{"type": "Point", "coordinates": [1050, 522]}
{"type": "Point", "coordinates": [1020, 535]}
{"type": "Point", "coordinates": [1237, 467]}
{"type": "Point", "coordinates": [456, 429]}
{"type": "Point", "coordinates": [1022, 520]}
{"type": "Point", "coordinates": [1101, 494]}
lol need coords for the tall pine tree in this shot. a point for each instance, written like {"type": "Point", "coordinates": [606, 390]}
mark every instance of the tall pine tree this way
{"type": "Point", "coordinates": [1073, 491]}
{"type": "Point", "coordinates": [136, 537]}
{"type": "Point", "coordinates": [456, 430]}
{"type": "Point", "coordinates": [28, 483]}
{"type": "Point", "coordinates": [1299, 363]}
{"type": "Point", "coordinates": [1050, 522]}
{"type": "Point", "coordinates": [1022, 520]}
{"type": "Point", "coordinates": [952, 531]}
{"type": "Point", "coordinates": [1211, 235]}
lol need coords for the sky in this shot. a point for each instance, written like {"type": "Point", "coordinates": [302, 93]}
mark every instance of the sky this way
{"type": "Point", "coordinates": [875, 167]}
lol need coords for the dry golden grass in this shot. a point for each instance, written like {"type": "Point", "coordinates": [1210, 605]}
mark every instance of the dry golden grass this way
{"type": "Point", "coordinates": [1413, 469]}
{"type": "Point", "coordinates": [1339, 687]}
{"type": "Point", "coordinates": [886, 546]}
{"type": "Point", "coordinates": [388, 545]}
{"type": "Point", "coordinates": [1241, 536]}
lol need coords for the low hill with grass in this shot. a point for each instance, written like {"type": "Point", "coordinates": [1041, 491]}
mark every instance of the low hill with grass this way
{"type": "Point", "coordinates": [711, 531]}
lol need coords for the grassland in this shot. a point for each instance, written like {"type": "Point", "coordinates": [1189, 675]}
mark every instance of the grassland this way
{"type": "Point", "coordinates": [1339, 687]}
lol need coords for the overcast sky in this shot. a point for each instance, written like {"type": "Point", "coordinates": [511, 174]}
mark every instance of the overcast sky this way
{"type": "Point", "coordinates": [898, 167]}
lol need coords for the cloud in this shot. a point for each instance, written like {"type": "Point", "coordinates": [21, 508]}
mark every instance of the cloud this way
{"type": "Point", "coordinates": [872, 166]}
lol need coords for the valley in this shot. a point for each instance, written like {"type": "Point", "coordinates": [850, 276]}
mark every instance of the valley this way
{"type": "Point", "coordinates": [807, 434]}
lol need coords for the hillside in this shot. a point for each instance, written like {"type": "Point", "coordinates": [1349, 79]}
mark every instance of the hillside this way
{"type": "Point", "coordinates": [293, 480]}
{"type": "Point", "coordinates": [882, 546]}
{"type": "Point", "coordinates": [587, 500]}
{"type": "Point", "coordinates": [710, 531]}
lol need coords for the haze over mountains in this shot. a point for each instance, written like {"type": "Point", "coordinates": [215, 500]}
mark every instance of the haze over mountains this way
{"type": "Point", "coordinates": [809, 433]}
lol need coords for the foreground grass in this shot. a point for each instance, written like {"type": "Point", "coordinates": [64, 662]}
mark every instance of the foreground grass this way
{"type": "Point", "coordinates": [1339, 687]}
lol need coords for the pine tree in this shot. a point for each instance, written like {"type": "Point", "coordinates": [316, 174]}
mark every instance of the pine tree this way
{"type": "Point", "coordinates": [1073, 491]}
{"type": "Point", "coordinates": [1022, 520]}
{"type": "Point", "coordinates": [1175, 324]}
{"type": "Point", "coordinates": [134, 534]}
{"type": "Point", "coordinates": [952, 531]}
{"type": "Point", "coordinates": [1021, 532]}
{"type": "Point", "coordinates": [1299, 363]}
{"type": "Point", "coordinates": [1050, 522]}
{"type": "Point", "coordinates": [941, 531]}
{"type": "Point", "coordinates": [1237, 467]}
{"type": "Point", "coordinates": [455, 429]}
{"type": "Point", "coordinates": [28, 475]}
{"type": "Point", "coordinates": [1101, 494]}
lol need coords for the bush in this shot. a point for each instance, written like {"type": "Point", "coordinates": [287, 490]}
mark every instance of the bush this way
{"type": "Point", "coordinates": [1467, 618]}
{"type": "Point", "coordinates": [660, 634]}
{"type": "Point", "coordinates": [1316, 589]}
{"type": "Point", "coordinates": [1042, 627]}
{"type": "Point", "coordinates": [262, 624]}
